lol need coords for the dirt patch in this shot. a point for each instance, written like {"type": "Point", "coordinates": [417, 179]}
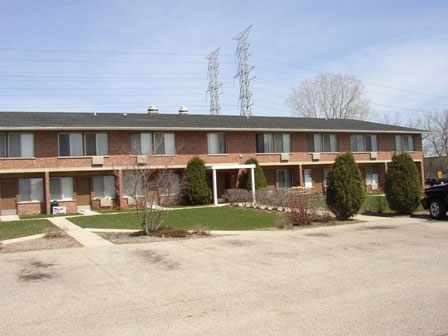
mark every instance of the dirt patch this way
{"type": "Point", "coordinates": [378, 227]}
{"type": "Point", "coordinates": [318, 234]}
{"type": "Point", "coordinates": [34, 271]}
{"type": "Point", "coordinates": [139, 237]}
{"type": "Point", "coordinates": [158, 259]}
{"type": "Point", "coordinates": [40, 244]}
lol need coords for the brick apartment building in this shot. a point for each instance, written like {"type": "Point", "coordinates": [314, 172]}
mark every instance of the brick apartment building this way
{"type": "Point", "coordinates": [78, 159]}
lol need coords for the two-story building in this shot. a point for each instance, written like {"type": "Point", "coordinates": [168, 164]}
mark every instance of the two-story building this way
{"type": "Point", "coordinates": [78, 159]}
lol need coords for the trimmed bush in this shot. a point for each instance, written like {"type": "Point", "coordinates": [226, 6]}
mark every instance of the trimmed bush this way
{"type": "Point", "coordinates": [403, 185]}
{"type": "Point", "coordinates": [345, 193]}
{"type": "Point", "coordinates": [260, 179]}
{"type": "Point", "coordinates": [196, 189]}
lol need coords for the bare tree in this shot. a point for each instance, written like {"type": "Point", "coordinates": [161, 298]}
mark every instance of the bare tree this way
{"type": "Point", "coordinates": [332, 96]}
{"type": "Point", "coordinates": [152, 188]}
{"type": "Point", "coordinates": [435, 142]}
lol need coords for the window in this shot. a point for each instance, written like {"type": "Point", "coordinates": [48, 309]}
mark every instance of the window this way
{"type": "Point", "coordinates": [96, 144]}
{"type": "Point", "coordinates": [132, 184]}
{"type": "Point", "coordinates": [141, 143]}
{"type": "Point", "coordinates": [104, 186]}
{"type": "Point", "coordinates": [2, 145]}
{"type": "Point", "coordinates": [164, 143]}
{"type": "Point", "coordinates": [322, 143]}
{"type": "Point", "coordinates": [307, 178]}
{"type": "Point", "coordinates": [284, 178]}
{"type": "Point", "coordinates": [70, 144]}
{"type": "Point", "coordinates": [31, 190]}
{"type": "Point", "coordinates": [61, 188]}
{"type": "Point", "coordinates": [153, 143]}
{"type": "Point", "coordinates": [364, 143]}
{"type": "Point", "coordinates": [326, 172]}
{"type": "Point", "coordinates": [170, 185]}
{"type": "Point", "coordinates": [372, 175]}
{"type": "Point", "coordinates": [403, 143]}
{"type": "Point", "coordinates": [217, 143]}
{"type": "Point", "coordinates": [20, 145]}
{"type": "Point", "coordinates": [274, 143]}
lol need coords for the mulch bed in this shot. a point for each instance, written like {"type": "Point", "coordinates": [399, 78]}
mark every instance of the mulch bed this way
{"type": "Point", "coordinates": [63, 241]}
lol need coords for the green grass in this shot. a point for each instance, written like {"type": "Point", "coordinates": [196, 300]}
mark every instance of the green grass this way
{"type": "Point", "coordinates": [16, 229]}
{"type": "Point", "coordinates": [47, 216]}
{"type": "Point", "coordinates": [375, 203]}
{"type": "Point", "coordinates": [222, 218]}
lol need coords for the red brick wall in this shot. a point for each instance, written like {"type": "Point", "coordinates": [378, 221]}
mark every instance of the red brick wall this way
{"type": "Point", "coordinates": [33, 208]}
{"type": "Point", "coordinates": [241, 146]}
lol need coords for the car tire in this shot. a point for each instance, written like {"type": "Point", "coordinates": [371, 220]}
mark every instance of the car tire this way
{"type": "Point", "coordinates": [437, 209]}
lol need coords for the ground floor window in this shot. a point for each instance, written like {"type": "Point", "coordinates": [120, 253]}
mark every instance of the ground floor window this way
{"type": "Point", "coordinates": [31, 189]}
{"type": "Point", "coordinates": [104, 186]}
{"type": "Point", "coordinates": [284, 178]}
{"type": "Point", "coordinates": [372, 177]}
{"type": "Point", "coordinates": [170, 185]}
{"type": "Point", "coordinates": [61, 188]}
{"type": "Point", "coordinates": [326, 172]}
{"type": "Point", "coordinates": [307, 178]}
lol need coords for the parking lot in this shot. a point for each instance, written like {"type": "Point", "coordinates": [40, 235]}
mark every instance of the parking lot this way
{"type": "Point", "coordinates": [385, 277]}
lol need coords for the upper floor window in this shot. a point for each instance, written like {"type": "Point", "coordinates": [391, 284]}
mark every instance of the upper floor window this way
{"type": "Point", "coordinates": [274, 143]}
{"type": "Point", "coordinates": [96, 144]}
{"type": "Point", "coordinates": [217, 143]}
{"type": "Point", "coordinates": [153, 143]}
{"type": "Point", "coordinates": [322, 143]}
{"type": "Point", "coordinates": [403, 143]}
{"type": "Point", "coordinates": [70, 144]}
{"type": "Point", "coordinates": [61, 188]}
{"type": "Point", "coordinates": [20, 145]}
{"type": "Point", "coordinates": [364, 143]}
{"type": "Point", "coordinates": [2, 145]}
{"type": "Point", "coordinates": [31, 189]}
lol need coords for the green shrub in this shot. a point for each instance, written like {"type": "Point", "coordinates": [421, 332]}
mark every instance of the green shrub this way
{"type": "Point", "coordinates": [260, 179]}
{"type": "Point", "coordinates": [345, 192]}
{"type": "Point", "coordinates": [196, 189]}
{"type": "Point", "coordinates": [403, 185]}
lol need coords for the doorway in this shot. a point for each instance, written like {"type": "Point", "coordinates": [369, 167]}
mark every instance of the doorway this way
{"type": "Point", "coordinates": [8, 194]}
{"type": "Point", "coordinates": [83, 191]}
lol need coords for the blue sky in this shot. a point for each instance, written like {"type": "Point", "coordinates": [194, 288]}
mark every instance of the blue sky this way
{"type": "Point", "coordinates": [122, 56]}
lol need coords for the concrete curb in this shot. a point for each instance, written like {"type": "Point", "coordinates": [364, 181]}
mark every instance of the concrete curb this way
{"type": "Point", "coordinates": [22, 239]}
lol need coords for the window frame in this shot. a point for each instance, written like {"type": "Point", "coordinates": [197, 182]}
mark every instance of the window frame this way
{"type": "Point", "coordinates": [217, 135]}
{"type": "Point", "coordinates": [288, 178]}
{"type": "Point", "coordinates": [273, 144]}
{"type": "Point", "coordinates": [364, 148]}
{"type": "Point", "coordinates": [62, 193]}
{"type": "Point", "coordinates": [5, 154]}
{"type": "Point", "coordinates": [69, 144]}
{"type": "Point", "coordinates": [8, 149]}
{"type": "Point", "coordinates": [96, 142]}
{"type": "Point", "coordinates": [401, 137]}
{"type": "Point", "coordinates": [311, 142]}
{"type": "Point", "coordinates": [114, 194]}
{"type": "Point", "coordinates": [31, 200]}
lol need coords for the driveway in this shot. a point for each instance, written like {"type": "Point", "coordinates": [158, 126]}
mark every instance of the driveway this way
{"type": "Point", "coordinates": [388, 277]}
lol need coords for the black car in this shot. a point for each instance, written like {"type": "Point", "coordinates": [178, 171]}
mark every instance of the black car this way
{"type": "Point", "coordinates": [434, 180]}
{"type": "Point", "coordinates": [436, 200]}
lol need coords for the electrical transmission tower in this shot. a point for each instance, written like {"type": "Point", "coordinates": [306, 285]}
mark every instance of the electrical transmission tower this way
{"type": "Point", "coordinates": [214, 85]}
{"type": "Point", "coordinates": [243, 72]}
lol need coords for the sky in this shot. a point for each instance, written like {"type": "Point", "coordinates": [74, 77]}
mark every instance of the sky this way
{"type": "Point", "coordinates": [124, 55]}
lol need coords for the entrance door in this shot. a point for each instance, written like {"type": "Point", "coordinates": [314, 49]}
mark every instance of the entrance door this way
{"type": "Point", "coordinates": [223, 182]}
{"type": "Point", "coordinates": [83, 191]}
{"type": "Point", "coordinates": [8, 190]}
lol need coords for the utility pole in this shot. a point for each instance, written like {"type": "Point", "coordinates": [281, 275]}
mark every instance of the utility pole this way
{"type": "Point", "coordinates": [214, 86]}
{"type": "Point", "coordinates": [243, 72]}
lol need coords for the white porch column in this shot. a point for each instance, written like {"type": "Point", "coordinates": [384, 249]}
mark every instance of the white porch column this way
{"type": "Point", "coordinates": [215, 188]}
{"type": "Point", "coordinates": [252, 180]}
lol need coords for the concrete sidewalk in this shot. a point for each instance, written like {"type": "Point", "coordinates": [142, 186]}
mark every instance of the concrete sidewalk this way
{"type": "Point", "coordinates": [84, 237]}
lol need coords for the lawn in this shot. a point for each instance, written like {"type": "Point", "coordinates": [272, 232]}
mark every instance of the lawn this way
{"type": "Point", "coordinates": [16, 229]}
{"type": "Point", "coordinates": [212, 218]}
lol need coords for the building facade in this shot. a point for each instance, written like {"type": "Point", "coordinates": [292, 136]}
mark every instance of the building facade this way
{"type": "Point", "coordinates": [78, 159]}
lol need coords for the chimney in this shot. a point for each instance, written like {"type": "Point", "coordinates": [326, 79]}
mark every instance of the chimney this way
{"type": "Point", "coordinates": [183, 111]}
{"type": "Point", "coordinates": [153, 110]}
